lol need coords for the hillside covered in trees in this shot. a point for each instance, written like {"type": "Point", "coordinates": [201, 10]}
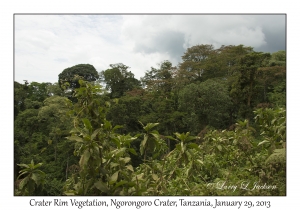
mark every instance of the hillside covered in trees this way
{"type": "Point", "coordinates": [217, 119]}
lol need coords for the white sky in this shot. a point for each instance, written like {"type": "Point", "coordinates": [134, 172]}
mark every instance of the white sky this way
{"type": "Point", "coordinates": [47, 44]}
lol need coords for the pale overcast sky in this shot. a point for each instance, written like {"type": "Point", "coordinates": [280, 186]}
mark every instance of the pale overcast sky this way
{"type": "Point", "coordinates": [47, 44]}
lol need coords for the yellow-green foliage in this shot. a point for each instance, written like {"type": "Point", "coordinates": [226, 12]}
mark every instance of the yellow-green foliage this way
{"type": "Point", "coordinates": [277, 158]}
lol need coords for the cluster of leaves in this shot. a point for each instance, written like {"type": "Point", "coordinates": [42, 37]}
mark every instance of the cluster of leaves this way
{"type": "Point", "coordinates": [33, 179]}
{"type": "Point", "coordinates": [105, 165]}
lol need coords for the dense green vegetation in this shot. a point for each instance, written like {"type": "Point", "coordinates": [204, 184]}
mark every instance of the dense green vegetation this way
{"type": "Point", "coordinates": [216, 119]}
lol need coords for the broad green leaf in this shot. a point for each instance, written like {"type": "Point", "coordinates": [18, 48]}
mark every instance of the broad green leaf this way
{"type": "Point", "coordinates": [87, 124]}
{"type": "Point", "coordinates": [117, 127]}
{"type": "Point", "coordinates": [155, 177]}
{"type": "Point", "coordinates": [23, 182]}
{"type": "Point", "coordinates": [156, 135]}
{"type": "Point", "coordinates": [75, 138]}
{"type": "Point", "coordinates": [140, 176]}
{"type": "Point", "coordinates": [22, 173]}
{"type": "Point", "coordinates": [129, 139]}
{"type": "Point", "coordinates": [263, 142]}
{"type": "Point", "coordinates": [101, 186]}
{"type": "Point", "coordinates": [117, 141]}
{"type": "Point", "coordinates": [182, 146]}
{"type": "Point", "coordinates": [84, 158]}
{"type": "Point", "coordinates": [178, 147]}
{"type": "Point", "coordinates": [190, 138]}
{"type": "Point", "coordinates": [127, 159]}
{"type": "Point", "coordinates": [149, 126]}
{"type": "Point", "coordinates": [129, 167]}
{"type": "Point", "coordinates": [37, 165]}
{"type": "Point", "coordinates": [142, 146]}
{"type": "Point", "coordinates": [131, 183]}
{"type": "Point", "coordinates": [145, 140]}
{"type": "Point", "coordinates": [95, 133]}
{"type": "Point", "coordinates": [200, 161]}
{"type": "Point", "coordinates": [35, 178]}
{"type": "Point", "coordinates": [112, 165]}
{"type": "Point", "coordinates": [273, 121]}
{"type": "Point", "coordinates": [120, 183]}
{"type": "Point", "coordinates": [171, 138]}
{"type": "Point", "coordinates": [141, 123]}
{"type": "Point", "coordinates": [23, 165]}
{"type": "Point", "coordinates": [219, 148]}
{"type": "Point", "coordinates": [179, 136]}
{"type": "Point", "coordinates": [71, 193]}
{"type": "Point", "coordinates": [119, 152]}
{"type": "Point", "coordinates": [114, 177]}
{"type": "Point", "coordinates": [107, 125]}
{"type": "Point", "coordinates": [41, 173]}
{"type": "Point", "coordinates": [132, 151]}
{"type": "Point", "coordinates": [194, 146]}
{"type": "Point", "coordinates": [154, 132]}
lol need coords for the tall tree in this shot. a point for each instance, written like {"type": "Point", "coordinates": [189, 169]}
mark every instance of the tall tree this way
{"type": "Point", "coordinates": [228, 59]}
{"type": "Point", "coordinates": [207, 103]}
{"type": "Point", "coordinates": [244, 89]}
{"type": "Point", "coordinates": [54, 90]}
{"type": "Point", "coordinates": [197, 63]}
{"type": "Point", "coordinates": [20, 94]}
{"type": "Point", "coordinates": [272, 79]}
{"type": "Point", "coordinates": [38, 91]}
{"type": "Point", "coordinates": [69, 77]}
{"type": "Point", "coordinates": [159, 79]}
{"type": "Point", "coordinates": [119, 80]}
{"type": "Point", "coordinates": [53, 117]}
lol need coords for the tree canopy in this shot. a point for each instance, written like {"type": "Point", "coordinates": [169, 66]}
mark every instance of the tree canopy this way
{"type": "Point", "coordinates": [69, 77]}
{"type": "Point", "coordinates": [118, 80]}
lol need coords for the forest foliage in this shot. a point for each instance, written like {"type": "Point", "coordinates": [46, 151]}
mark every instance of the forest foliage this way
{"type": "Point", "coordinates": [215, 119]}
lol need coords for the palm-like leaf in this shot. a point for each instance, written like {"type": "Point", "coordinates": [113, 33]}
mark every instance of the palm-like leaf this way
{"type": "Point", "coordinates": [34, 176]}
